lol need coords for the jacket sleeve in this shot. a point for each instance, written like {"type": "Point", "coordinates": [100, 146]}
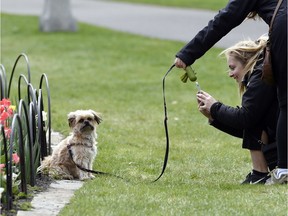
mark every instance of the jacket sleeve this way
{"type": "Point", "coordinates": [226, 129]}
{"type": "Point", "coordinates": [228, 18]}
{"type": "Point", "coordinates": [256, 102]}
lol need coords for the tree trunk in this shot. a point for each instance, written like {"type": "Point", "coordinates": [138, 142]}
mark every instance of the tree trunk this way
{"type": "Point", "coordinates": [57, 16]}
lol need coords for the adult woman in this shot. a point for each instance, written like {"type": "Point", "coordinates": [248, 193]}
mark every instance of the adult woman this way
{"type": "Point", "coordinates": [255, 121]}
{"type": "Point", "coordinates": [228, 18]}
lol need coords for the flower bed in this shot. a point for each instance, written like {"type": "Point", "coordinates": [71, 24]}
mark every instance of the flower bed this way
{"type": "Point", "coordinates": [25, 133]}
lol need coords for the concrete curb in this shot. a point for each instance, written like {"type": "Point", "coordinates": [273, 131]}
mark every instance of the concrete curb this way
{"type": "Point", "coordinates": [50, 202]}
{"type": "Point", "coordinates": [59, 193]}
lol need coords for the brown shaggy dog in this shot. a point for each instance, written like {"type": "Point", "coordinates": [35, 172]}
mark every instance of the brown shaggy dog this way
{"type": "Point", "coordinates": [82, 142]}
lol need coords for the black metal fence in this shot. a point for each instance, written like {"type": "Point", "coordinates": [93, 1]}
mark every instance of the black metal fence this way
{"type": "Point", "coordinates": [30, 135]}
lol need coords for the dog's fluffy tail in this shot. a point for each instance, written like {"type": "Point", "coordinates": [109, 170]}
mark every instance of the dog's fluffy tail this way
{"type": "Point", "coordinates": [48, 168]}
{"type": "Point", "coordinates": [45, 165]}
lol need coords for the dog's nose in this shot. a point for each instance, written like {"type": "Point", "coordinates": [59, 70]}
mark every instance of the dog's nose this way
{"type": "Point", "coordinates": [86, 122]}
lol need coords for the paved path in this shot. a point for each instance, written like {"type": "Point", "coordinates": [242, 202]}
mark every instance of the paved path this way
{"type": "Point", "coordinates": [59, 193]}
{"type": "Point", "coordinates": [50, 202]}
{"type": "Point", "coordinates": [152, 21]}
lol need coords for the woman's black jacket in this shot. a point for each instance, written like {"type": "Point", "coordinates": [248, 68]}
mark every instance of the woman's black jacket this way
{"type": "Point", "coordinates": [258, 112]}
{"type": "Point", "coordinates": [228, 18]}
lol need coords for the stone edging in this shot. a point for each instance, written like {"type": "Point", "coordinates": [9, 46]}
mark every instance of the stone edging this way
{"type": "Point", "coordinates": [51, 201]}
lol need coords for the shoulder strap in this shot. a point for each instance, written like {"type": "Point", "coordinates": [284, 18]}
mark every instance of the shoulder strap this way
{"type": "Point", "coordinates": [273, 17]}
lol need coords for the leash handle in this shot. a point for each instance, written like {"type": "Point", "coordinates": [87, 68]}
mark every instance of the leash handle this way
{"type": "Point", "coordinates": [165, 125]}
{"type": "Point", "coordinates": [189, 74]}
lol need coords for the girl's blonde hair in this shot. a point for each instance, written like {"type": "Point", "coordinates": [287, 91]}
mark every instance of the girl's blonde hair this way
{"type": "Point", "coordinates": [247, 52]}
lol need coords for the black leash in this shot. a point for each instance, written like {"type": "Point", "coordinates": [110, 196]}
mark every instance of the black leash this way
{"type": "Point", "coordinates": [88, 170]}
{"type": "Point", "coordinates": [165, 125]}
{"type": "Point", "coordinates": [166, 134]}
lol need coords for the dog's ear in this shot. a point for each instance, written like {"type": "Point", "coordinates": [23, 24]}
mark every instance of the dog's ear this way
{"type": "Point", "coordinates": [97, 117]}
{"type": "Point", "coordinates": [71, 119]}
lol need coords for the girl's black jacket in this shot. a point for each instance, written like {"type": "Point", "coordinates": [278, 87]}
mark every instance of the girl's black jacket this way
{"type": "Point", "coordinates": [228, 18]}
{"type": "Point", "coordinates": [258, 112]}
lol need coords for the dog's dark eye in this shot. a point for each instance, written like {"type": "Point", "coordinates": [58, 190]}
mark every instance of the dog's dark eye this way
{"type": "Point", "coordinates": [89, 119]}
{"type": "Point", "coordinates": [81, 120]}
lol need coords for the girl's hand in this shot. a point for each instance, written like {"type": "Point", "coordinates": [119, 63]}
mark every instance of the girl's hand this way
{"type": "Point", "coordinates": [205, 102]}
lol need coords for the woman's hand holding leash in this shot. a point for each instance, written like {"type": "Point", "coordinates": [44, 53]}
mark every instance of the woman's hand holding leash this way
{"type": "Point", "coordinates": [179, 63]}
{"type": "Point", "coordinates": [189, 72]}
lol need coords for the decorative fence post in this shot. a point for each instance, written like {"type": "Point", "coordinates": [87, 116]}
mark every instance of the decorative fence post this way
{"type": "Point", "coordinates": [27, 134]}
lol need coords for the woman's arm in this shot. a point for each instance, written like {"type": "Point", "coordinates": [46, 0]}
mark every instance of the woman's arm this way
{"type": "Point", "coordinates": [256, 103]}
{"type": "Point", "coordinates": [205, 101]}
{"type": "Point", "coordinates": [228, 18]}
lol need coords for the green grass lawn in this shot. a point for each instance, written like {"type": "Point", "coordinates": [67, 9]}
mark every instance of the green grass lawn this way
{"type": "Point", "coordinates": [207, 4]}
{"type": "Point", "coordinates": [120, 76]}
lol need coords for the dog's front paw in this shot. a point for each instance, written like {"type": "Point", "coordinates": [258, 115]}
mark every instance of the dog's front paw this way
{"type": "Point", "coordinates": [84, 176]}
{"type": "Point", "coordinates": [91, 176]}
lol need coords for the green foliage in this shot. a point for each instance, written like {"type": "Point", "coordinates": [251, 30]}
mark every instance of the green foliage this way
{"type": "Point", "coordinates": [21, 195]}
{"type": "Point", "coordinates": [25, 206]}
{"type": "Point", "coordinates": [120, 75]}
